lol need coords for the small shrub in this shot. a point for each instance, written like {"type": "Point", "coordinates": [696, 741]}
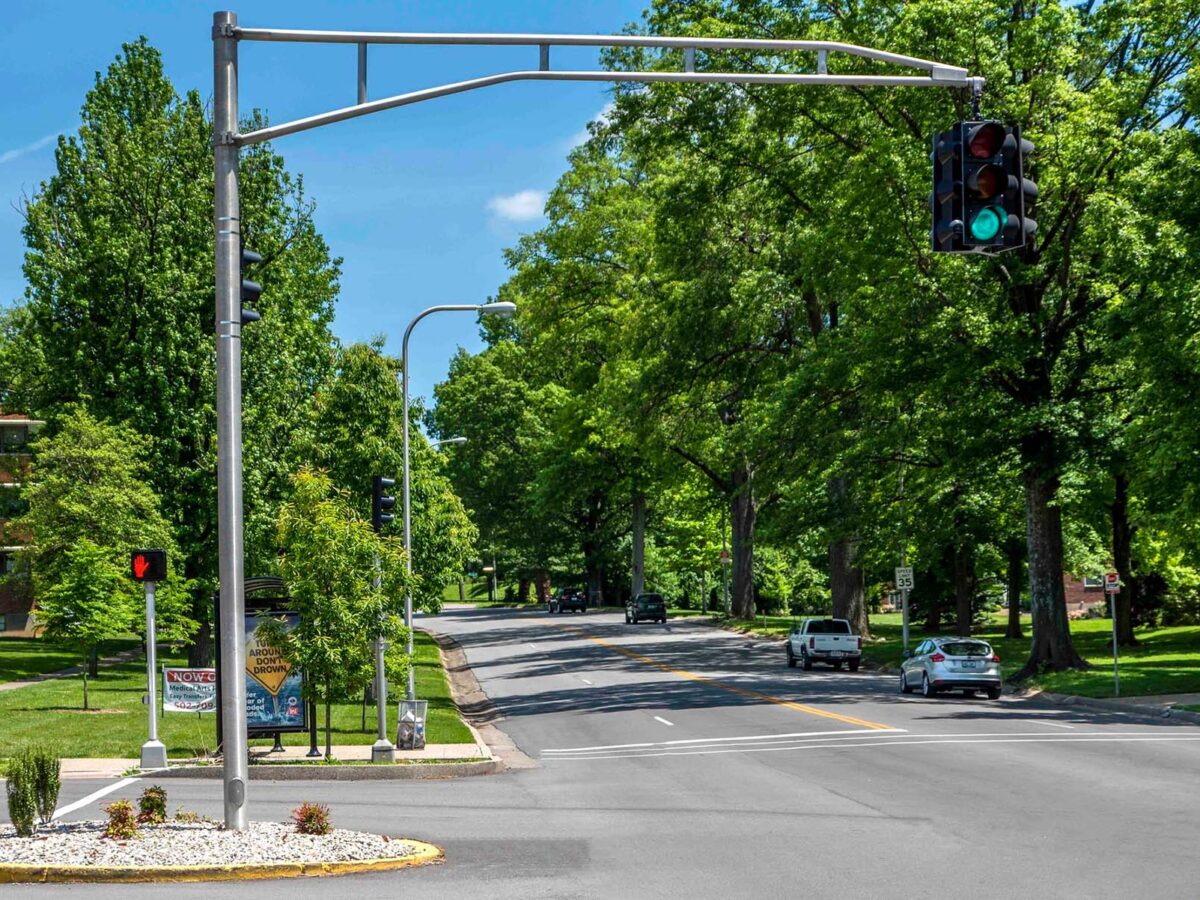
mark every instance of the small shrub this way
{"type": "Point", "coordinates": [21, 787]}
{"type": "Point", "coordinates": [152, 806]}
{"type": "Point", "coordinates": [122, 824]}
{"type": "Point", "coordinates": [312, 818]}
{"type": "Point", "coordinates": [48, 780]}
{"type": "Point", "coordinates": [187, 817]}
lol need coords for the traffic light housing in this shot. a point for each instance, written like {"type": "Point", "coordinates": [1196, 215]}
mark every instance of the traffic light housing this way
{"type": "Point", "coordinates": [381, 503]}
{"type": "Point", "coordinates": [250, 289]}
{"type": "Point", "coordinates": [148, 565]}
{"type": "Point", "coordinates": [981, 201]}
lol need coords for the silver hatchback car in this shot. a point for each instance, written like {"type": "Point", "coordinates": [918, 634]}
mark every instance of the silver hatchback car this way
{"type": "Point", "coordinates": [952, 663]}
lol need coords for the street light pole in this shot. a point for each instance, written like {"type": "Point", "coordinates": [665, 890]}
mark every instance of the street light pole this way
{"type": "Point", "coordinates": [501, 309]}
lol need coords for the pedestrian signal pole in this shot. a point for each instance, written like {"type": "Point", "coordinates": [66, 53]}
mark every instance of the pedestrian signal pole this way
{"type": "Point", "coordinates": [150, 567]}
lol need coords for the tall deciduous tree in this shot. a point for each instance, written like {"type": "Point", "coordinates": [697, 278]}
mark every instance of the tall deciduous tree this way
{"type": "Point", "coordinates": [118, 311]}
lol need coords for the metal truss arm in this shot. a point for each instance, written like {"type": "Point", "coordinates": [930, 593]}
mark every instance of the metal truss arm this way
{"type": "Point", "coordinates": [938, 75]}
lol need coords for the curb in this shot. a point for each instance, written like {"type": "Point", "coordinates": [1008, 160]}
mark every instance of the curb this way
{"type": "Point", "coordinates": [24, 873]}
{"type": "Point", "coordinates": [364, 772]}
{"type": "Point", "coordinates": [1133, 709]}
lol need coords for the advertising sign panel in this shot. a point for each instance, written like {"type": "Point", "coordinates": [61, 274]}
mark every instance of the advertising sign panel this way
{"type": "Point", "coordinates": [189, 690]}
{"type": "Point", "coordinates": [274, 699]}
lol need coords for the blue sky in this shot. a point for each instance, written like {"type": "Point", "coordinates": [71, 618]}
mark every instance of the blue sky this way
{"type": "Point", "coordinates": [419, 201]}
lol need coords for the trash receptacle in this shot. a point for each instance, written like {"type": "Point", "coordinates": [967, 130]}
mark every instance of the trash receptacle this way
{"type": "Point", "coordinates": [410, 727]}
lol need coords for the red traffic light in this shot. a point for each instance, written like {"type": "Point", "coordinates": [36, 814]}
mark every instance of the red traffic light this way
{"type": "Point", "coordinates": [148, 565]}
{"type": "Point", "coordinates": [984, 141]}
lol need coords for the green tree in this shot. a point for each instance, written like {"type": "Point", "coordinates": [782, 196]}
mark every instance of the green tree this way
{"type": "Point", "coordinates": [90, 504]}
{"type": "Point", "coordinates": [328, 559]}
{"type": "Point", "coordinates": [357, 433]}
{"type": "Point", "coordinates": [118, 311]}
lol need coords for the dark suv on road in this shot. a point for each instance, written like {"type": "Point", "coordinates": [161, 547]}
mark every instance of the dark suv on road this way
{"type": "Point", "coordinates": [573, 599]}
{"type": "Point", "coordinates": [645, 606]}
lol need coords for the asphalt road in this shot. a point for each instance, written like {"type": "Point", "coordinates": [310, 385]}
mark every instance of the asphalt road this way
{"type": "Point", "coordinates": [684, 762]}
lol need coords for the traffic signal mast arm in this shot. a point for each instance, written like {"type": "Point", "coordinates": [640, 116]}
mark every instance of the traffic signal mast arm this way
{"type": "Point", "coordinates": [938, 75]}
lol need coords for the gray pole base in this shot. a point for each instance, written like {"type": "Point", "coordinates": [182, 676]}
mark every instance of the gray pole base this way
{"type": "Point", "coordinates": [383, 751]}
{"type": "Point", "coordinates": [154, 755]}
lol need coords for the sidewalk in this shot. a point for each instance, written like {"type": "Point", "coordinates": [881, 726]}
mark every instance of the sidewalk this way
{"type": "Point", "coordinates": [115, 768]}
{"type": "Point", "coordinates": [123, 656]}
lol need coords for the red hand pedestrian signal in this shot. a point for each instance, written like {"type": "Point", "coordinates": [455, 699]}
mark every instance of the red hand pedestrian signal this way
{"type": "Point", "coordinates": [148, 565]}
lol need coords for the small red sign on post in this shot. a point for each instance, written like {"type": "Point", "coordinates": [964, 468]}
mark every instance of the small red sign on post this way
{"type": "Point", "coordinates": [725, 557]}
{"type": "Point", "coordinates": [1112, 583]}
{"type": "Point", "coordinates": [149, 565]}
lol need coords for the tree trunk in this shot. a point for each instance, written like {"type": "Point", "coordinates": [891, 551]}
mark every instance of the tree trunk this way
{"type": "Point", "coordinates": [200, 649]}
{"type": "Point", "coordinates": [523, 589]}
{"type": "Point", "coordinates": [1051, 647]}
{"type": "Point", "coordinates": [846, 579]}
{"type": "Point", "coordinates": [595, 576]}
{"type": "Point", "coordinates": [1122, 548]}
{"type": "Point", "coordinates": [964, 587]}
{"type": "Point", "coordinates": [743, 512]}
{"type": "Point", "coordinates": [93, 663]}
{"type": "Point", "coordinates": [85, 688]}
{"type": "Point", "coordinates": [1015, 552]}
{"type": "Point", "coordinates": [462, 591]}
{"type": "Point", "coordinates": [543, 586]}
{"type": "Point", "coordinates": [638, 563]}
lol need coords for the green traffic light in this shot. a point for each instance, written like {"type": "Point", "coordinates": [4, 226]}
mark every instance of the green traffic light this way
{"type": "Point", "coordinates": [988, 223]}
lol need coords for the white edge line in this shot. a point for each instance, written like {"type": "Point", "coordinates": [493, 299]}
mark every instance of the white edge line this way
{"type": "Point", "coordinates": [92, 798]}
{"type": "Point", "coordinates": [756, 737]}
{"type": "Point", "coordinates": [584, 680]}
{"type": "Point", "coordinates": [1052, 724]}
{"type": "Point", "coordinates": [1068, 739]}
{"type": "Point", "coordinates": [664, 721]}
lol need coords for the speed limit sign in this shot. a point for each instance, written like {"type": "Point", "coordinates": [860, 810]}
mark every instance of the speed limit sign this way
{"type": "Point", "coordinates": [904, 578]}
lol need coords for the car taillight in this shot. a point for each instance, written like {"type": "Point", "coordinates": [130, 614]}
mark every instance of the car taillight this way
{"type": "Point", "coordinates": [995, 657]}
{"type": "Point", "coordinates": [937, 657]}
{"type": "Point", "coordinates": [860, 642]}
{"type": "Point", "coordinates": [812, 642]}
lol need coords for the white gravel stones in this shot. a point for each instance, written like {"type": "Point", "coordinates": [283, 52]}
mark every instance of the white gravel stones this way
{"type": "Point", "coordinates": [192, 844]}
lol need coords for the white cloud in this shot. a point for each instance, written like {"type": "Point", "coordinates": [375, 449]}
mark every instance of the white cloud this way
{"type": "Point", "coordinates": [522, 206]}
{"type": "Point", "coordinates": [10, 155]}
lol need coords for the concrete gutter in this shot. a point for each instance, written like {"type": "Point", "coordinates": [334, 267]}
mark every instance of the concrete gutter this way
{"type": "Point", "coordinates": [364, 772]}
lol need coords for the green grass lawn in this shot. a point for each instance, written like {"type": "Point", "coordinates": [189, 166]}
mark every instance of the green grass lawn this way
{"type": "Point", "coordinates": [51, 713]}
{"type": "Point", "coordinates": [22, 658]}
{"type": "Point", "coordinates": [1166, 662]}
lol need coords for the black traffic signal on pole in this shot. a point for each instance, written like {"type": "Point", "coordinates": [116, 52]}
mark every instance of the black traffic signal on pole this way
{"type": "Point", "coordinates": [981, 199]}
{"type": "Point", "coordinates": [381, 502]}
{"type": "Point", "coordinates": [250, 289]}
{"type": "Point", "coordinates": [148, 565]}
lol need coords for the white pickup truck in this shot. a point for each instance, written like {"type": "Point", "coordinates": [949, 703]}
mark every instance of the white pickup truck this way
{"type": "Point", "coordinates": [823, 640]}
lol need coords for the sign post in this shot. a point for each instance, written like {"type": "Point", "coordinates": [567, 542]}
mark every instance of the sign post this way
{"type": "Point", "coordinates": [904, 584]}
{"type": "Point", "coordinates": [1112, 587]}
{"type": "Point", "coordinates": [150, 567]}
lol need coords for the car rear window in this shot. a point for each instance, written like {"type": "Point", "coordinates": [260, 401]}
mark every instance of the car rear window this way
{"type": "Point", "coordinates": [650, 598]}
{"type": "Point", "coordinates": [828, 626]}
{"type": "Point", "coordinates": [966, 648]}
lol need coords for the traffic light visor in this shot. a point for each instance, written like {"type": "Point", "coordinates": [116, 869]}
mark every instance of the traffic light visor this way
{"type": "Point", "coordinates": [985, 141]}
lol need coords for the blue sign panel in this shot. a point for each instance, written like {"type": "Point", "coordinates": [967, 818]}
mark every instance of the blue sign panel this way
{"type": "Point", "coordinates": [274, 698]}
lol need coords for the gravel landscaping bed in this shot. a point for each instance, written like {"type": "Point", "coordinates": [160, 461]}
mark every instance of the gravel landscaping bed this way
{"type": "Point", "coordinates": [193, 844]}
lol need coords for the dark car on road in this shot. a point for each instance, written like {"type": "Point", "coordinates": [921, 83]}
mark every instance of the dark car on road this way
{"type": "Point", "coordinates": [645, 606]}
{"type": "Point", "coordinates": [564, 599]}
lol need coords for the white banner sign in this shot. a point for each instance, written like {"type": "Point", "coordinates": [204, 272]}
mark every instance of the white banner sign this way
{"type": "Point", "coordinates": [189, 690]}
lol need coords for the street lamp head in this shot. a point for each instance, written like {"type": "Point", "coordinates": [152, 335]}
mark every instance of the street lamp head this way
{"type": "Point", "coordinates": [449, 442]}
{"type": "Point", "coordinates": [498, 309]}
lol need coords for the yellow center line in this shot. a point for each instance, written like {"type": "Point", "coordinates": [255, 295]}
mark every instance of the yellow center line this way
{"type": "Point", "coordinates": [732, 688]}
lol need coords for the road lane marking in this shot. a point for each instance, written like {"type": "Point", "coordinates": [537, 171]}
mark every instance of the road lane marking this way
{"type": "Point", "coordinates": [1051, 724]}
{"type": "Point", "coordinates": [732, 688]}
{"type": "Point", "coordinates": [664, 721]}
{"type": "Point", "coordinates": [728, 740]}
{"type": "Point", "coordinates": [92, 797]}
{"type": "Point", "coordinates": [908, 740]}
{"type": "Point", "coordinates": [584, 680]}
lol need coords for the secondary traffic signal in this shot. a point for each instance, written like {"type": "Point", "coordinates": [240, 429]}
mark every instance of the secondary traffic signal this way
{"type": "Point", "coordinates": [381, 502]}
{"type": "Point", "coordinates": [981, 199]}
{"type": "Point", "coordinates": [250, 289]}
{"type": "Point", "coordinates": [148, 565]}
